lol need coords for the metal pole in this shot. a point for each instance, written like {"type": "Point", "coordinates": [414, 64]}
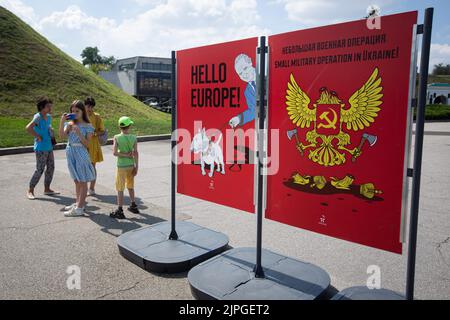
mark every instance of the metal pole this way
{"type": "Point", "coordinates": [173, 233]}
{"type": "Point", "coordinates": [259, 272]}
{"type": "Point", "coordinates": [418, 150]}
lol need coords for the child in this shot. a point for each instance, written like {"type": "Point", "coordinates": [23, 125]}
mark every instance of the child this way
{"type": "Point", "coordinates": [41, 129]}
{"type": "Point", "coordinates": [78, 133]}
{"type": "Point", "coordinates": [125, 149]}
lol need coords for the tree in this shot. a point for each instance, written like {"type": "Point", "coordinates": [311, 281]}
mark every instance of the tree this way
{"type": "Point", "coordinates": [441, 69]}
{"type": "Point", "coordinates": [109, 61]}
{"type": "Point", "coordinates": [91, 56]}
{"type": "Point", "coordinates": [96, 68]}
{"type": "Point", "coordinates": [96, 62]}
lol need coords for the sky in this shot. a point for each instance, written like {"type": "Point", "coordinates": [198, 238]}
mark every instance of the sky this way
{"type": "Point", "coordinates": [126, 28]}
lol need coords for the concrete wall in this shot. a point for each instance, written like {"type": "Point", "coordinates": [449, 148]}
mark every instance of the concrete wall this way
{"type": "Point", "coordinates": [139, 61]}
{"type": "Point", "coordinates": [126, 80]}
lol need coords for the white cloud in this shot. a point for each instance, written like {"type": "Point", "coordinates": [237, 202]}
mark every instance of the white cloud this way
{"type": "Point", "coordinates": [170, 25]}
{"type": "Point", "coordinates": [165, 25]}
{"type": "Point", "coordinates": [244, 11]}
{"type": "Point", "coordinates": [440, 53]}
{"type": "Point", "coordinates": [308, 12]}
{"type": "Point", "coordinates": [73, 18]}
{"type": "Point", "coordinates": [322, 12]}
{"type": "Point", "coordinates": [20, 9]}
{"type": "Point", "coordinates": [148, 2]}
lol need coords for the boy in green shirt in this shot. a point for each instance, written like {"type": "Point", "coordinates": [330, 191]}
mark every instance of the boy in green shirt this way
{"type": "Point", "coordinates": [125, 149]}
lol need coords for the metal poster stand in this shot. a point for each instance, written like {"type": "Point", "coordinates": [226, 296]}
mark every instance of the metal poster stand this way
{"type": "Point", "coordinates": [418, 151]}
{"type": "Point", "coordinates": [363, 293]}
{"type": "Point", "coordinates": [170, 247]}
{"type": "Point", "coordinates": [256, 273]}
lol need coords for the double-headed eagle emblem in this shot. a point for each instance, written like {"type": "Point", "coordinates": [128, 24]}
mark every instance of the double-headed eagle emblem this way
{"type": "Point", "coordinates": [327, 142]}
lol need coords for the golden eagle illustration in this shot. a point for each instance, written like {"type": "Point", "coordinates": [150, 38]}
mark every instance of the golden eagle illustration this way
{"type": "Point", "coordinates": [330, 116]}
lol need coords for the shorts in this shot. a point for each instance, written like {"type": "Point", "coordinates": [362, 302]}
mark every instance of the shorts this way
{"type": "Point", "coordinates": [124, 177]}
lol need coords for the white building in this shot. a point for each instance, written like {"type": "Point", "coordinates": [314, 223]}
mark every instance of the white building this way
{"type": "Point", "coordinates": [438, 93]}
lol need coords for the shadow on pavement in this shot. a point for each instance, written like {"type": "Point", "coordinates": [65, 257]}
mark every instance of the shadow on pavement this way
{"type": "Point", "coordinates": [100, 215]}
{"type": "Point", "coordinates": [329, 293]}
{"type": "Point", "coordinates": [112, 200]}
{"type": "Point", "coordinates": [59, 200]}
{"type": "Point", "coordinates": [109, 225]}
{"type": "Point", "coordinates": [180, 275]}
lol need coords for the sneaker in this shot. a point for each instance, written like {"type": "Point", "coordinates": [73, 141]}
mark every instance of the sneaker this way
{"type": "Point", "coordinates": [118, 214]}
{"type": "Point", "coordinates": [68, 208]}
{"type": "Point", "coordinates": [75, 212]}
{"type": "Point", "coordinates": [91, 192]}
{"type": "Point", "coordinates": [30, 196]}
{"type": "Point", "coordinates": [134, 209]}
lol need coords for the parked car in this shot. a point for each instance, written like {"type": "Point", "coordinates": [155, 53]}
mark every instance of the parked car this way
{"type": "Point", "coordinates": [152, 102]}
{"type": "Point", "coordinates": [166, 106]}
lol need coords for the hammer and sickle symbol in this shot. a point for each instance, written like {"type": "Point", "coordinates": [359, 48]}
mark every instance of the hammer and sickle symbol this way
{"type": "Point", "coordinates": [331, 124]}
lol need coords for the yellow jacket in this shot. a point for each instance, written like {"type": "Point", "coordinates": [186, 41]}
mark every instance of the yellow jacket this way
{"type": "Point", "coordinates": [95, 149]}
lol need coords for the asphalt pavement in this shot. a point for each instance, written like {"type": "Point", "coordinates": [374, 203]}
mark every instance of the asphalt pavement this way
{"type": "Point", "coordinates": [38, 244]}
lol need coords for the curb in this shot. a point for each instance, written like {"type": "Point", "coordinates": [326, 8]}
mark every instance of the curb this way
{"type": "Point", "coordinates": [62, 146]}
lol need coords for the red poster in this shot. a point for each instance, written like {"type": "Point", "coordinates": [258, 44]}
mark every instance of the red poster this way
{"type": "Point", "coordinates": [216, 90]}
{"type": "Point", "coordinates": [339, 97]}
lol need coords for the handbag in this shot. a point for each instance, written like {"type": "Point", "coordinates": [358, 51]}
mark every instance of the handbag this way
{"type": "Point", "coordinates": [103, 138]}
{"type": "Point", "coordinates": [52, 137]}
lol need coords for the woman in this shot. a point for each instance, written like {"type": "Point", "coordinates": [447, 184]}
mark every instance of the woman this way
{"type": "Point", "coordinates": [41, 129]}
{"type": "Point", "coordinates": [78, 132]}
{"type": "Point", "coordinates": [95, 150]}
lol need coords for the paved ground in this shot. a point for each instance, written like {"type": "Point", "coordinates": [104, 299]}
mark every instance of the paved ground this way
{"type": "Point", "coordinates": [37, 243]}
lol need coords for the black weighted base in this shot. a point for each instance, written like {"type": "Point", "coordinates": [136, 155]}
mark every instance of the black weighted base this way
{"type": "Point", "coordinates": [364, 293]}
{"type": "Point", "coordinates": [230, 276]}
{"type": "Point", "coordinates": [151, 249]}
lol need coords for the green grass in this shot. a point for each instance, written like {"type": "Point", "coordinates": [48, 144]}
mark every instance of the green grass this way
{"type": "Point", "coordinates": [140, 127]}
{"type": "Point", "coordinates": [437, 112]}
{"type": "Point", "coordinates": [439, 79]}
{"type": "Point", "coordinates": [30, 66]}
{"type": "Point", "coordinates": [12, 130]}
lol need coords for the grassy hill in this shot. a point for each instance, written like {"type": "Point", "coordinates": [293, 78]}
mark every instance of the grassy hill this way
{"type": "Point", "coordinates": [30, 66]}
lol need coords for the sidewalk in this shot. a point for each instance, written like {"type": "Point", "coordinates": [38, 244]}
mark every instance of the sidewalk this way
{"type": "Point", "coordinates": [38, 243]}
